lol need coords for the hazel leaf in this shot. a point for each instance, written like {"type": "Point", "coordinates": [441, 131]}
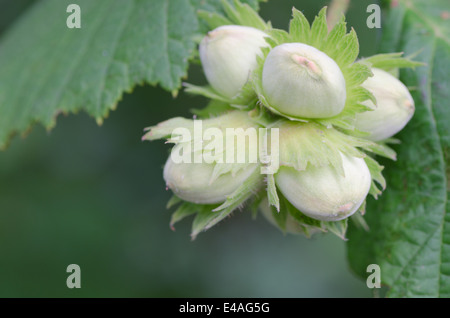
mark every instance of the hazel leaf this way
{"type": "Point", "coordinates": [409, 235]}
{"type": "Point", "coordinates": [48, 69]}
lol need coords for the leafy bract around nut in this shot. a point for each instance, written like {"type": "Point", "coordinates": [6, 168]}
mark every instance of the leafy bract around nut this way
{"type": "Point", "coordinates": [300, 81]}
{"type": "Point", "coordinates": [211, 186]}
{"type": "Point", "coordinates": [338, 50]}
{"type": "Point", "coordinates": [393, 110]}
{"type": "Point", "coordinates": [289, 223]}
{"type": "Point", "coordinates": [323, 172]}
{"type": "Point", "coordinates": [197, 140]}
{"type": "Point", "coordinates": [228, 55]}
{"type": "Point", "coordinates": [303, 146]}
{"type": "Point", "coordinates": [205, 177]}
{"type": "Point", "coordinates": [292, 221]}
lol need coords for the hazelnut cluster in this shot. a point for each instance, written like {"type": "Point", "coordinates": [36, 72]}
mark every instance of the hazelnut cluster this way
{"type": "Point", "coordinates": [332, 114]}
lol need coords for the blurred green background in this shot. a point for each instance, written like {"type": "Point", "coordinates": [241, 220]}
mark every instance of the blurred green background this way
{"type": "Point", "coordinates": [95, 196]}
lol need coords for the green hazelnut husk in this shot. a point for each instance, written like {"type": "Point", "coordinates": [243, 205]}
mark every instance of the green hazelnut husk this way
{"type": "Point", "coordinates": [228, 55]}
{"type": "Point", "coordinates": [300, 81]}
{"type": "Point", "coordinates": [394, 108]}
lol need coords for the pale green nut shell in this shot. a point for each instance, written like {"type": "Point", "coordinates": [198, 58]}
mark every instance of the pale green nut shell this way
{"type": "Point", "coordinates": [198, 182]}
{"type": "Point", "coordinates": [228, 55]}
{"type": "Point", "coordinates": [300, 81]}
{"type": "Point", "coordinates": [323, 194]}
{"type": "Point", "coordinates": [191, 181]}
{"type": "Point", "coordinates": [394, 109]}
